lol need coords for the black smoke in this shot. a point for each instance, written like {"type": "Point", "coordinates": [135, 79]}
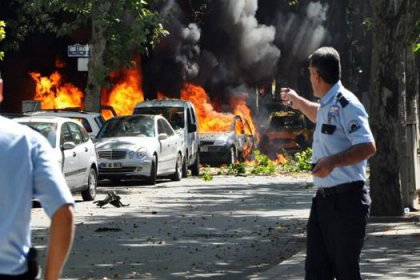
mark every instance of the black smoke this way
{"type": "Point", "coordinates": [227, 44]}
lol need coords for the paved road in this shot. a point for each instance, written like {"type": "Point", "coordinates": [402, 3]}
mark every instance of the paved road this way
{"type": "Point", "coordinates": [228, 228]}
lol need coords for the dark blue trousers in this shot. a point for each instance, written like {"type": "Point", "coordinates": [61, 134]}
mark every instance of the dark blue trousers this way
{"type": "Point", "coordinates": [335, 235]}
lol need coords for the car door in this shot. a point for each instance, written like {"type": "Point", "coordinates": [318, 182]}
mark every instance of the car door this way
{"type": "Point", "coordinates": [164, 155]}
{"type": "Point", "coordinates": [239, 132]}
{"type": "Point", "coordinates": [174, 145]}
{"type": "Point", "coordinates": [82, 151]}
{"type": "Point", "coordinates": [69, 164]}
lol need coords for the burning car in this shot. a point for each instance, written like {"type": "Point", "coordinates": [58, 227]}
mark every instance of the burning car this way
{"type": "Point", "coordinates": [286, 131]}
{"type": "Point", "coordinates": [237, 143]}
{"type": "Point", "coordinates": [138, 146]}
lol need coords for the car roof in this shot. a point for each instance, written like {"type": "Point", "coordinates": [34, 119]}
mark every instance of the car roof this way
{"type": "Point", "coordinates": [162, 103]}
{"type": "Point", "coordinates": [49, 119]}
{"type": "Point", "coordinates": [63, 113]}
{"type": "Point", "coordinates": [138, 115]}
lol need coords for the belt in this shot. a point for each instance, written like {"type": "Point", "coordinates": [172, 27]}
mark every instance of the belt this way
{"type": "Point", "coordinates": [342, 188]}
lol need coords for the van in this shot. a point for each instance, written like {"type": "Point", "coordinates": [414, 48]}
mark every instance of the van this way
{"type": "Point", "coordinates": [183, 118]}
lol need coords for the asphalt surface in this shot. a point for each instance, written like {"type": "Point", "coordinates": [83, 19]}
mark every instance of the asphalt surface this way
{"type": "Point", "coordinates": [227, 228]}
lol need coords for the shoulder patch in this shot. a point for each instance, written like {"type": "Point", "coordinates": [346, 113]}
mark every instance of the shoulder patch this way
{"type": "Point", "coordinates": [342, 100]}
{"type": "Point", "coordinates": [353, 126]}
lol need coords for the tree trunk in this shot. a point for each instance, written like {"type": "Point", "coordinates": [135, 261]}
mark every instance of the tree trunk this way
{"type": "Point", "coordinates": [96, 68]}
{"type": "Point", "coordinates": [392, 20]}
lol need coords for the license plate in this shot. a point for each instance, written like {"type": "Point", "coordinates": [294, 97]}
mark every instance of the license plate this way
{"type": "Point", "coordinates": [112, 165]}
{"type": "Point", "coordinates": [204, 148]}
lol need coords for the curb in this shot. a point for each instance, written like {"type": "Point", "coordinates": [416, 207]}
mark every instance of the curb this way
{"type": "Point", "coordinates": [394, 219]}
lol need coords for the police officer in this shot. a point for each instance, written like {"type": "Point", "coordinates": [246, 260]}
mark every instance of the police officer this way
{"type": "Point", "coordinates": [342, 144]}
{"type": "Point", "coordinates": [28, 168]}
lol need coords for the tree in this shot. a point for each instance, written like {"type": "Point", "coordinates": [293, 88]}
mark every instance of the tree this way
{"type": "Point", "coordinates": [119, 30]}
{"type": "Point", "coordinates": [2, 36]}
{"type": "Point", "coordinates": [394, 99]}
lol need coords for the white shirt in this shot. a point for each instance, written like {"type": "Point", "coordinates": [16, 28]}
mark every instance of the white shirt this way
{"type": "Point", "coordinates": [341, 122]}
{"type": "Point", "coordinates": [28, 169]}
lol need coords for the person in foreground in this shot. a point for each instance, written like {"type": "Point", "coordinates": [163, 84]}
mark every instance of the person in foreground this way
{"type": "Point", "coordinates": [342, 143]}
{"type": "Point", "coordinates": [29, 170]}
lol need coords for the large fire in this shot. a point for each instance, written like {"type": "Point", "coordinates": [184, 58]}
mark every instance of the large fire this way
{"type": "Point", "coordinates": [208, 119]}
{"type": "Point", "coordinates": [127, 92]}
{"type": "Point", "coordinates": [54, 94]}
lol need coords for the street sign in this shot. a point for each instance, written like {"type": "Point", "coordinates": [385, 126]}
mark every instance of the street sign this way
{"type": "Point", "coordinates": [82, 64]}
{"type": "Point", "coordinates": [78, 50]}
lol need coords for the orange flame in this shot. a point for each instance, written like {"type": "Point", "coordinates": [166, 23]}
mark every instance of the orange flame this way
{"type": "Point", "coordinates": [55, 95]}
{"type": "Point", "coordinates": [241, 109]}
{"type": "Point", "coordinates": [208, 119]}
{"type": "Point", "coordinates": [127, 91]}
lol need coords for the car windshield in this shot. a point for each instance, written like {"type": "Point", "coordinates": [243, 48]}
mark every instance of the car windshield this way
{"type": "Point", "coordinates": [128, 126]}
{"type": "Point", "coordinates": [175, 115]}
{"type": "Point", "coordinates": [48, 130]}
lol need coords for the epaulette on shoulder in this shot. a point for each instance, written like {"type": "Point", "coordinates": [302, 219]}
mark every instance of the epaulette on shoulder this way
{"type": "Point", "coordinates": [342, 100]}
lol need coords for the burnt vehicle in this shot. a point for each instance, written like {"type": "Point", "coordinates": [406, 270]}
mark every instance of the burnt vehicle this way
{"type": "Point", "coordinates": [285, 131]}
{"type": "Point", "coordinates": [227, 147]}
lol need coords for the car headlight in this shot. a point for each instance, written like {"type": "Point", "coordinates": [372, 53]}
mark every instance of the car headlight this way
{"type": "Point", "coordinates": [220, 141]}
{"type": "Point", "coordinates": [139, 154]}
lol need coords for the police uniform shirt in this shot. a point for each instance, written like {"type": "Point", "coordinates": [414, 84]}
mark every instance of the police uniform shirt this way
{"type": "Point", "coordinates": [28, 168]}
{"type": "Point", "coordinates": [341, 122]}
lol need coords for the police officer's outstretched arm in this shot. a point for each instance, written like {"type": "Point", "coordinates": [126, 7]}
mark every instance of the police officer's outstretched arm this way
{"type": "Point", "coordinates": [291, 98]}
{"type": "Point", "coordinates": [60, 241]}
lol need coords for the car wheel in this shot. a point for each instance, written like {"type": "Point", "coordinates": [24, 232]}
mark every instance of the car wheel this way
{"type": "Point", "coordinates": [90, 193]}
{"type": "Point", "coordinates": [178, 169]}
{"type": "Point", "coordinates": [232, 155]}
{"type": "Point", "coordinates": [195, 168]}
{"type": "Point", "coordinates": [153, 169]}
{"type": "Point", "coordinates": [185, 167]}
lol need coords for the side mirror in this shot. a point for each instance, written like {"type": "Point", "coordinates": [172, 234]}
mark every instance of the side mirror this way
{"type": "Point", "coordinates": [68, 145]}
{"type": "Point", "coordinates": [192, 127]}
{"type": "Point", "coordinates": [162, 136]}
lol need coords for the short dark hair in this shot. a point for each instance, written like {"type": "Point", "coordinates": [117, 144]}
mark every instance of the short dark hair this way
{"type": "Point", "coordinates": [326, 60]}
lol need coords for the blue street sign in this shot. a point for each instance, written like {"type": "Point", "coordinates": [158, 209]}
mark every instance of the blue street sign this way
{"type": "Point", "coordinates": [78, 50]}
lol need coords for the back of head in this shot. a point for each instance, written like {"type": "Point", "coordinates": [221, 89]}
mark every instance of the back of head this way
{"type": "Point", "coordinates": [326, 60]}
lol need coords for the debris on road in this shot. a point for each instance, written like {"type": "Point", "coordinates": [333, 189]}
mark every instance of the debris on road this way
{"type": "Point", "coordinates": [111, 198]}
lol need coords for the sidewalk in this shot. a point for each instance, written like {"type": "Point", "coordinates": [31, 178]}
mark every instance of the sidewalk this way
{"type": "Point", "coordinates": [391, 251]}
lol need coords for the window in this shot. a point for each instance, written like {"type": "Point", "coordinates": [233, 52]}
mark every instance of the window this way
{"type": "Point", "coordinates": [167, 128]}
{"type": "Point", "coordinates": [76, 133]}
{"type": "Point", "coordinates": [161, 127]}
{"type": "Point", "coordinates": [239, 127]}
{"type": "Point", "coordinates": [65, 135]}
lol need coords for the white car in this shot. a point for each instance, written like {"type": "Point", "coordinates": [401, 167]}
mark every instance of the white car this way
{"type": "Point", "coordinates": [183, 118]}
{"type": "Point", "coordinates": [139, 146]}
{"type": "Point", "coordinates": [74, 149]}
{"type": "Point", "coordinates": [91, 121]}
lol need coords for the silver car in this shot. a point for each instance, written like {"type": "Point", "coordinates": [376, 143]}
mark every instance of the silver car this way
{"type": "Point", "coordinates": [236, 144]}
{"type": "Point", "coordinates": [139, 146]}
{"type": "Point", "coordinates": [74, 151]}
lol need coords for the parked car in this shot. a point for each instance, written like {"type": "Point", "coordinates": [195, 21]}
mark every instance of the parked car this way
{"type": "Point", "coordinates": [286, 131]}
{"type": "Point", "coordinates": [183, 118]}
{"type": "Point", "coordinates": [230, 146]}
{"type": "Point", "coordinates": [92, 121]}
{"type": "Point", "coordinates": [73, 148]}
{"type": "Point", "coordinates": [139, 146]}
